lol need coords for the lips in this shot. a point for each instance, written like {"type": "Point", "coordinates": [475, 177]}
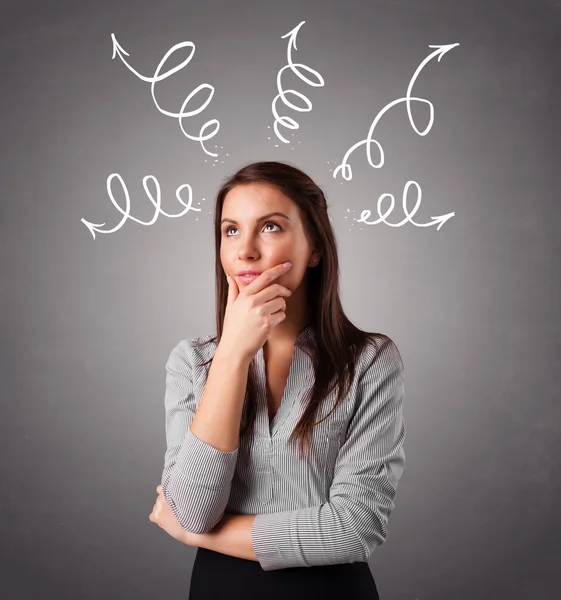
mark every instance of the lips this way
{"type": "Point", "coordinates": [248, 272]}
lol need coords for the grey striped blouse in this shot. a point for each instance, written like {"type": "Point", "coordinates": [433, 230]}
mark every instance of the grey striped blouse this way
{"type": "Point", "coordinates": [333, 508]}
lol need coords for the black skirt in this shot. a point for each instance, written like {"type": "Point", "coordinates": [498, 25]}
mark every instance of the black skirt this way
{"type": "Point", "coordinates": [218, 576]}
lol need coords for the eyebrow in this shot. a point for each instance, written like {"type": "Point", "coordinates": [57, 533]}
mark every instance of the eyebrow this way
{"type": "Point", "coordinates": [267, 216]}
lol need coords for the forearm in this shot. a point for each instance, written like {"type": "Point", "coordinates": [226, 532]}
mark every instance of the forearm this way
{"type": "Point", "coordinates": [217, 419]}
{"type": "Point", "coordinates": [231, 536]}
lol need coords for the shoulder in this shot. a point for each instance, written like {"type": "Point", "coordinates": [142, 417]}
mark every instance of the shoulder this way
{"type": "Point", "coordinates": [190, 351]}
{"type": "Point", "coordinates": [381, 355]}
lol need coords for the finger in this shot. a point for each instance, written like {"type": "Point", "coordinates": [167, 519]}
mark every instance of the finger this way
{"type": "Point", "coordinates": [267, 277]}
{"type": "Point", "coordinates": [159, 489]}
{"type": "Point", "coordinates": [232, 289]}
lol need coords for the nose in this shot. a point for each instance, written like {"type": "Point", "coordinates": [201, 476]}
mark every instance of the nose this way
{"type": "Point", "coordinates": [247, 251]}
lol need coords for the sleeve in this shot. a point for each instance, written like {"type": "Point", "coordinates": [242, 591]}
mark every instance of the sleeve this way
{"type": "Point", "coordinates": [197, 477]}
{"type": "Point", "coordinates": [368, 468]}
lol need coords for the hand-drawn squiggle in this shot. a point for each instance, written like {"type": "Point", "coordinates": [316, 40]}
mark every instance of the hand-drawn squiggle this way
{"type": "Point", "coordinates": [93, 227]}
{"type": "Point", "coordinates": [440, 220]}
{"type": "Point", "coordinates": [287, 121]}
{"type": "Point", "coordinates": [119, 50]}
{"type": "Point", "coordinates": [345, 167]}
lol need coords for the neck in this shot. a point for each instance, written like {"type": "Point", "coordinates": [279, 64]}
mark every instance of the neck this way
{"type": "Point", "coordinates": [285, 333]}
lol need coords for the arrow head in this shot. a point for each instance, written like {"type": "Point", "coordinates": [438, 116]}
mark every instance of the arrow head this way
{"type": "Point", "coordinates": [92, 226]}
{"type": "Point", "coordinates": [443, 49]}
{"type": "Point", "coordinates": [117, 48]}
{"type": "Point", "coordinates": [292, 34]}
{"type": "Point", "coordinates": [442, 219]}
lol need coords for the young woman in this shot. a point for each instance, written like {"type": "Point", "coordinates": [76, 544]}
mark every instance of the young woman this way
{"type": "Point", "coordinates": [285, 430]}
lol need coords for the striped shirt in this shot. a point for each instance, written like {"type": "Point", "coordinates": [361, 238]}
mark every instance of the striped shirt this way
{"type": "Point", "coordinates": [334, 507]}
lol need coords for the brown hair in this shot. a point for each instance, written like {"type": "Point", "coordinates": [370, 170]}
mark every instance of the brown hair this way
{"type": "Point", "coordinates": [338, 342]}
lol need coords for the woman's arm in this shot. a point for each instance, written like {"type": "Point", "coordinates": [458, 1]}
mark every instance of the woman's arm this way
{"type": "Point", "coordinates": [217, 419]}
{"type": "Point", "coordinates": [231, 536]}
{"type": "Point", "coordinates": [202, 438]}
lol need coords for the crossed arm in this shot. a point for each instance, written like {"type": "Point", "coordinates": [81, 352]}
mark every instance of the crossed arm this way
{"type": "Point", "coordinates": [367, 470]}
{"type": "Point", "coordinates": [232, 535]}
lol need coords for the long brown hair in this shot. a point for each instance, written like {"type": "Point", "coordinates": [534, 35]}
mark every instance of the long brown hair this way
{"type": "Point", "coordinates": [338, 342]}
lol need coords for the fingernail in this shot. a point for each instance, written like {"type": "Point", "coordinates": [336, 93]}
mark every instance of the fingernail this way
{"type": "Point", "coordinates": [287, 264]}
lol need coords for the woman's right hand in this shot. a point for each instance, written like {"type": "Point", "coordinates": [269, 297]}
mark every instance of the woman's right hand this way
{"type": "Point", "coordinates": [252, 313]}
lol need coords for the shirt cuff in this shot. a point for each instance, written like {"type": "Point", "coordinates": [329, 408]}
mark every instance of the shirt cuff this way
{"type": "Point", "coordinates": [272, 535]}
{"type": "Point", "coordinates": [204, 464]}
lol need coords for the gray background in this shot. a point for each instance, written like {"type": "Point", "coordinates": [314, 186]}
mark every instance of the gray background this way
{"type": "Point", "coordinates": [474, 307]}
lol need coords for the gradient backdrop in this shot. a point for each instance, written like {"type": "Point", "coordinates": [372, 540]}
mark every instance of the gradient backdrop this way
{"type": "Point", "coordinates": [473, 306]}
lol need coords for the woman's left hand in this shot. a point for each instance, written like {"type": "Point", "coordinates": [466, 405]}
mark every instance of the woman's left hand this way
{"type": "Point", "coordinates": [163, 516]}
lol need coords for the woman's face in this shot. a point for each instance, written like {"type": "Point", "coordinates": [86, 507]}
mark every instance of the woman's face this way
{"type": "Point", "coordinates": [255, 242]}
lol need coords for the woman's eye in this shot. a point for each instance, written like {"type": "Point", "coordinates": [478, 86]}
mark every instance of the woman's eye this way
{"type": "Point", "coordinates": [230, 227]}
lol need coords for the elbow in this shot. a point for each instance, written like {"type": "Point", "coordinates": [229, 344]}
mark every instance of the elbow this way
{"type": "Point", "coordinates": [200, 526]}
{"type": "Point", "coordinates": [195, 513]}
{"type": "Point", "coordinates": [370, 527]}
{"type": "Point", "coordinates": [370, 537]}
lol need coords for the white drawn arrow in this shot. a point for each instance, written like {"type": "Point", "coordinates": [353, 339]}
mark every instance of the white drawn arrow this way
{"type": "Point", "coordinates": [440, 220]}
{"type": "Point", "coordinates": [295, 68]}
{"type": "Point", "coordinates": [93, 227]}
{"type": "Point", "coordinates": [344, 167]}
{"type": "Point", "coordinates": [119, 51]}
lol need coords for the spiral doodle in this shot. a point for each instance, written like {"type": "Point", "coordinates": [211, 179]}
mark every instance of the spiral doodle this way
{"type": "Point", "coordinates": [120, 51]}
{"type": "Point", "coordinates": [285, 121]}
{"type": "Point", "coordinates": [344, 167]}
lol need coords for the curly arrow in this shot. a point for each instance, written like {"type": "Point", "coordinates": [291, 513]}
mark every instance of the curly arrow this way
{"type": "Point", "coordinates": [287, 121]}
{"type": "Point", "coordinates": [121, 52]}
{"type": "Point", "coordinates": [345, 167]}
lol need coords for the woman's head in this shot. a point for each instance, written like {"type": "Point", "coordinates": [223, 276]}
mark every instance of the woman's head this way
{"type": "Point", "coordinates": [245, 240]}
{"type": "Point", "coordinates": [262, 227]}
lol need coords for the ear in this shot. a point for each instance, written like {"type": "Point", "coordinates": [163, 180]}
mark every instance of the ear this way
{"type": "Point", "coordinates": [314, 259]}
